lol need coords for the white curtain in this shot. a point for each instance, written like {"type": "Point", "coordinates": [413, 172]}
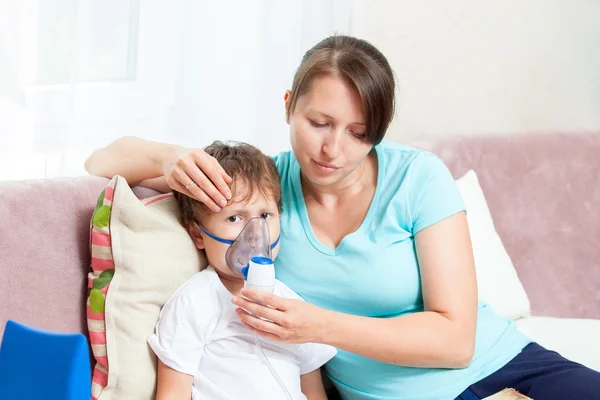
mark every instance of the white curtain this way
{"type": "Point", "coordinates": [76, 74]}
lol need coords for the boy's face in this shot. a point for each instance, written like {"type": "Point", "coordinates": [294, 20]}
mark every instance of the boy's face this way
{"type": "Point", "coordinates": [229, 222]}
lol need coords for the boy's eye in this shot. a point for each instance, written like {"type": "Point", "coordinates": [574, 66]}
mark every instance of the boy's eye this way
{"type": "Point", "coordinates": [233, 218]}
{"type": "Point", "coordinates": [265, 215]}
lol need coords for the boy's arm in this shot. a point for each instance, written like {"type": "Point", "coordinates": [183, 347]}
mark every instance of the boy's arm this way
{"type": "Point", "coordinates": [311, 385]}
{"type": "Point", "coordinates": [172, 384]}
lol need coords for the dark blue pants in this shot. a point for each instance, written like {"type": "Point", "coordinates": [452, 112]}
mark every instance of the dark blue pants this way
{"type": "Point", "coordinates": [542, 375]}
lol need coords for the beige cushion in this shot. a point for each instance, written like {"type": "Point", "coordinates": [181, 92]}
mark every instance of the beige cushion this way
{"type": "Point", "coordinates": [153, 255]}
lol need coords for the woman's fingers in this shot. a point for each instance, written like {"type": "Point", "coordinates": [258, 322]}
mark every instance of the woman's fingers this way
{"type": "Point", "coordinates": [183, 185]}
{"type": "Point", "coordinates": [261, 333]}
{"type": "Point", "coordinates": [260, 325]}
{"type": "Point", "coordinates": [207, 174]}
{"type": "Point", "coordinates": [202, 183]}
{"type": "Point", "coordinates": [226, 177]}
{"type": "Point", "coordinates": [258, 310]}
{"type": "Point", "coordinates": [269, 299]}
{"type": "Point", "coordinates": [197, 174]}
{"type": "Point", "coordinates": [193, 176]}
{"type": "Point", "coordinates": [220, 178]}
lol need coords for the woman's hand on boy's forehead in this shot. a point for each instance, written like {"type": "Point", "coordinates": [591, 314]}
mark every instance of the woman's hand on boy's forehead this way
{"type": "Point", "coordinates": [196, 174]}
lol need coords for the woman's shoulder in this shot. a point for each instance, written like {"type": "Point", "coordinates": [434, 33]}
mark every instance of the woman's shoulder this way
{"type": "Point", "coordinates": [422, 182]}
{"type": "Point", "coordinates": [284, 162]}
{"type": "Point", "coordinates": [283, 157]}
{"type": "Point", "coordinates": [399, 157]}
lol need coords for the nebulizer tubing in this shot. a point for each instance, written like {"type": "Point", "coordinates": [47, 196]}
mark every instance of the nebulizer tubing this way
{"type": "Point", "coordinates": [273, 372]}
{"type": "Point", "coordinates": [260, 275]}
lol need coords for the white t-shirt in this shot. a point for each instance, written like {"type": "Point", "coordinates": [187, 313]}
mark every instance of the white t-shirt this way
{"type": "Point", "coordinates": [199, 334]}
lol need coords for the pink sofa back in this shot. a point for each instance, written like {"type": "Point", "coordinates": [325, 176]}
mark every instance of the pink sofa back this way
{"type": "Point", "coordinates": [44, 250]}
{"type": "Point", "coordinates": [543, 192]}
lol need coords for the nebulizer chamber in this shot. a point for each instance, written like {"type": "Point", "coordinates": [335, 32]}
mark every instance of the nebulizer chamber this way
{"type": "Point", "coordinates": [260, 274]}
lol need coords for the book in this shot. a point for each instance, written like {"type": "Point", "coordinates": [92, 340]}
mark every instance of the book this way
{"type": "Point", "coordinates": [508, 394]}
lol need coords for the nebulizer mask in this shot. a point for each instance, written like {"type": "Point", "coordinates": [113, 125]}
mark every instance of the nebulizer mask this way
{"type": "Point", "coordinates": [249, 255]}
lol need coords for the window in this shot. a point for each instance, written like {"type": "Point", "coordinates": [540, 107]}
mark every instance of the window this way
{"type": "Point", "coordinates": [91, 71]}
{"type": "Point", "coordinates": [89, 40]}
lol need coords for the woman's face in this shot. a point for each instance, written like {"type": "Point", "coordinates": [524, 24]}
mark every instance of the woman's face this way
{"type": "Point", "coordinates": [327, 131]}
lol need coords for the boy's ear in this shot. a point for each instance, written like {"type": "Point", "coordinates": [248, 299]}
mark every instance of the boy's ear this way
{"type": "Point", "coordinates": [196, 235]}
{"type": "Point", "coordinates": [286, 98]}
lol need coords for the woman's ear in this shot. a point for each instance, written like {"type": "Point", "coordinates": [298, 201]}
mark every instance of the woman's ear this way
{"type": "Point", "coordinates": [286, 99]}
{"type": "Point", "coordinates": [196, 235]}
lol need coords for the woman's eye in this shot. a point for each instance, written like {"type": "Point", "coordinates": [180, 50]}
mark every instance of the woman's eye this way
{"type": "Point", "coordinates": [359, 135]}
{"type": "Point", "coordinates": [317, 124]}
{"type": "Point", "coordinates": [233, 218]}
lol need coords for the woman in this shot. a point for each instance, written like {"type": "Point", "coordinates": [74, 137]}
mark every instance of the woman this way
{"type": "Point", "coordinates": [375, 238]}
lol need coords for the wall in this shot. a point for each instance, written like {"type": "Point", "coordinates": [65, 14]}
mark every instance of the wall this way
{"type": "Point", "coordinates": [490, 67]}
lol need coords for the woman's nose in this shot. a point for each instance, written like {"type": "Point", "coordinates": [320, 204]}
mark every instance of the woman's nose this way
{"type": "Point", "coordinates": [332, 144]}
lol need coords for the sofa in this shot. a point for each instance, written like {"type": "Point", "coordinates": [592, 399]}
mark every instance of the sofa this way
{"type": "Point", "coordinates": [543, 193]}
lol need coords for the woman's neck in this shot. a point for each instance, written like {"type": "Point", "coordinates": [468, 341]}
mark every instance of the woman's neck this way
{"type": "Point", "coordinates": [363, 177]}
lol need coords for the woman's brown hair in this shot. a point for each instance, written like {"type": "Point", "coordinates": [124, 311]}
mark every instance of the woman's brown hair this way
{"type": "Point", "coordinates": [361, 65]}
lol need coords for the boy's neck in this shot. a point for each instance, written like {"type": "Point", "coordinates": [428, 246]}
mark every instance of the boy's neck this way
{"type": "Point", "coordinates": [233, 285]}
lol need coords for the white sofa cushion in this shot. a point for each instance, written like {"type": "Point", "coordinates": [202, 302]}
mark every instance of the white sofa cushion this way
{"type": "Point", "coordinates": [497, 281]}
{"type": "Point", "coordinates": [575, 339]}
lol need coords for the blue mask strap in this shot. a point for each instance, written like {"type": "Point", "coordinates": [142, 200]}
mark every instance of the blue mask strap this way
{"type": "Point", "coordinates": [218, 239]}
{"type": "Point", "coordinates": [275, 244]}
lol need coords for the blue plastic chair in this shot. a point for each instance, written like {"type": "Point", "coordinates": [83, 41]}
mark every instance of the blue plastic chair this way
{"type": "Point", "coordinates": [38, 364]}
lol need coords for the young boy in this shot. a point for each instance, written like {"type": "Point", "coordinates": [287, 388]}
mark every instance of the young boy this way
{"type": "Point", "coordinates": [204, 350]}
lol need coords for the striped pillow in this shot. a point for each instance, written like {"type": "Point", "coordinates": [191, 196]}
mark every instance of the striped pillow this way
{"type": "Point", "coordinates": [141, 254]}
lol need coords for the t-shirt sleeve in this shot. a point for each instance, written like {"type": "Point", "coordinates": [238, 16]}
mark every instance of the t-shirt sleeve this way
{"type": "Point", "coordinates": [314, 355]}
{"type": "Point", "coordinates": [433, 193]}
{"type": "Point", "coordinates": [178, 341]}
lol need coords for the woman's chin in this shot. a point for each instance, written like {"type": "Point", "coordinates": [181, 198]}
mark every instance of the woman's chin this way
{"type": "Point", "coordinates": [319, 176]}
{"type": "Point", "coordinates": [320, 180]}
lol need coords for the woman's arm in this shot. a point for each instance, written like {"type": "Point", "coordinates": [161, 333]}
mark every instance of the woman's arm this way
{"type": "Point", "coordinates": [311, 385]}
{"type": "Point", "coordinates": [162, 166]}
{"type": "Point", "coordinates": [173, 385]}
{"type": "Point", "coordinates": [442, 336]}
{"type": "Point", "coordinates": [133, 158]}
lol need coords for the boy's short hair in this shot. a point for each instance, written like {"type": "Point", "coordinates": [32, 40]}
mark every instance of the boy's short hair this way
{"type": "Point", "coordinates": [246, 165]}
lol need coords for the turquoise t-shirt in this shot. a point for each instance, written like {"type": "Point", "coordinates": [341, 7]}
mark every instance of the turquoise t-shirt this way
{"type": "Point", "coordinates": [374, 272]}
